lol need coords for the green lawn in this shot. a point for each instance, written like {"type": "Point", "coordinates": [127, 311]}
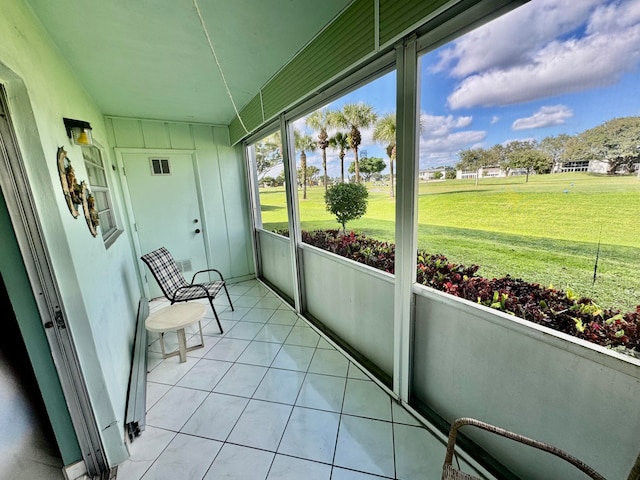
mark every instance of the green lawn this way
{"type": "Point", "coordinates": [545, 231]}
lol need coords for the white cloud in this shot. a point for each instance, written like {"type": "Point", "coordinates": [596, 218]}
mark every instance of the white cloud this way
{"type": "Point", "coordinates": [502, 44]}
{"type": "Point", "coordinates": [547, 116]}
{"type": "Point", "coordinates": [440, 144]}
{"type": "Point", "coordinates": [497, 70]}
{"type": "Point", "coordinates": [494, 119]}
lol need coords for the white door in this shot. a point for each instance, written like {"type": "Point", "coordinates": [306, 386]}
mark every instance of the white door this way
{"type": "Point", "coordinates": [164, 200]}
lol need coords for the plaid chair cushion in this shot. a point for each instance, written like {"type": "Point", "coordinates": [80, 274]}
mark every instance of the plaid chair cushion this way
{"type": "Point", "coordinates": [165, 271]}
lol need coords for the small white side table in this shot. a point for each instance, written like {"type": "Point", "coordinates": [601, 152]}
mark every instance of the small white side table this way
{"type": "Point", "coordinates": [177, 317]}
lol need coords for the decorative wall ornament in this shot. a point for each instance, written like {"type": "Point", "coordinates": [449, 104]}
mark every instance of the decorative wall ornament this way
{"type": "Point", "coordinates": [68, 182]}
{"type": "Point", "coordinates": [77, 193]}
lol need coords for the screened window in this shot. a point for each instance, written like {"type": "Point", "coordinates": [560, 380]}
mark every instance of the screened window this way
{"type": "Point", "coordinates": [270, 178]}
{"type": "Point", "coordinates": [345, 159]}
{"type": "Point", "coordinates": [539, 149]}
{"type": "Point", "coordinates": [100, 189]}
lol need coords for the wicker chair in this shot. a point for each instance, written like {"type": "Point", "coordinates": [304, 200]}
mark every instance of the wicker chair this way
{"type": "Point", "coordinates": [175, 287]}
{"type": "Point", "coordinates": [449, 472]}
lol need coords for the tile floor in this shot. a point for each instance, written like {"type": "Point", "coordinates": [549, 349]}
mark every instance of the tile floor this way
{"type": "Point", "coordinates": [271, 399]}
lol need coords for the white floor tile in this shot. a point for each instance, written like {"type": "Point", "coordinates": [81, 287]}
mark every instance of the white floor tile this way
{"type": "Point", "coordinates": [311, 434]}
{"type": "Point", "coordinates": [284, 317]}
{"type": "Point", "coordinates": [323, 343]}
{"type": "Point", "coordinates": [259, 353]}
{"type": "Point", "coordinates": [303, 336]}
{"type": "Point", "coordinates": [227, 349]}
{"type": "Point", "coordinates": [237, 313]}
{"type": "Point", "coordinates": [241, 380]}
{"type": "Point", "coordinates": [244, 330]}
{"type": "Point", "coordinates": [144, 451]}
{"type": "Point", "coordinates": [257, 291]}
{"type": "Point", "coordinates": [355, 372]}
{"type": "Point", "coordinates": [322, 392]}
{"type": "Point", "coordinates": [170, 371]}
{"type": "Point", "coordinates": [186, 457]}
{"type": "Point", "coordinates": [418, 454]}
{"type": "Point", "coordinates": [344, 474]}
{"type": "Point", "coordinates": [366, 445]}
{"type": "Point", "coordinates": [258, 315]}
{"type": "Point", "coordinates": [289, 468]}
{"type": "Point", "coordinates": [265, 302]}
{"type": "Point", "coordinates": [216, 416]}
{"type": "Point", "coordinates": [155, 392]}
{"type": "Point", "coordinates": [235, 462]}
{"type": "Point", "coordinates": [238, 289]}
{"type": "Point", "coordinates": [174, 409]}
{"type": "Point", "coordinates": [244, 301]}
{"type": "Point", "coordinates": [273, 333]}
{"type": "Point", "coordinates": [400, 415]}
{"type": "Point", "coordinates": [212, 329]}
{"type": "Point", "coordinates": [364, 398]}
{"type": "Point", "coordinates": [209, 342]}
{"type": "Point", "coordinates": [261, 425]}
{"type": "Point", "coordinates": [205, 374]}
{"type": "Point", "coordinates": [329, 362]}
{"type": "Point", "coordinates": [280, 386]}
{"type": "Point", "coordinates": [293, 357]}
{"type": "Point", "coordinates": [153, 360]}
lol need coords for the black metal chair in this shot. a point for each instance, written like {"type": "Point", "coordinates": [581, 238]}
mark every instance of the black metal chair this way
{"type": "Point", "coordinates": [175, 287]}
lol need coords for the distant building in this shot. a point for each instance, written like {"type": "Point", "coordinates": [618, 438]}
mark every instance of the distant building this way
{"type": "Point", "coordinates": [431, 174]}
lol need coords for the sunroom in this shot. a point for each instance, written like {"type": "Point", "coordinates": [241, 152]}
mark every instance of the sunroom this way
{"type": "Point", "coordinates": [221, 130]}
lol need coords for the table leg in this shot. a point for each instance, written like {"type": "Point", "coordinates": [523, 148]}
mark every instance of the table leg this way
{"type": "Point", "coordinates": [182, 345]}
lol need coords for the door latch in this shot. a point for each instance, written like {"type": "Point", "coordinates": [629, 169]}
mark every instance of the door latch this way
{"type": "Point", "coordinates": [59, 319]}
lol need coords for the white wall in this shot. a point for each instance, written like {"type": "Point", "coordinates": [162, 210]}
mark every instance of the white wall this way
{"type": "Point", "coordinates": [99, 287]}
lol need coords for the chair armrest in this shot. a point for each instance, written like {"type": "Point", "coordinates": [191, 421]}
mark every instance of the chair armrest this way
{"type": "Point", "coordinates": [518, 438]}
{"type": "Point", "coordinates": [206, 292]}
{"type": "Point", "coordinates": [207, 270]}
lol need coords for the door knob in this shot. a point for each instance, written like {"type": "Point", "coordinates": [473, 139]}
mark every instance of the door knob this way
{"type": "Point", "coordinates": [197, 230]}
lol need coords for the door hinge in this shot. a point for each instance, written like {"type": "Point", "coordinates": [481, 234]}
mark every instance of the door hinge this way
{"type": "Point", "coordinates": [135, 227]}
{"type": "Point", "coordinates": [124, 171]}
{"type": "Point", "coordinates": [59, 319]}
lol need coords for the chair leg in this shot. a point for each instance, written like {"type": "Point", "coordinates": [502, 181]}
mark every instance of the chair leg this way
{"type": "Point", "coordinates": [215, 314]}
{"type": "Point", "coordinates": [228, 297]}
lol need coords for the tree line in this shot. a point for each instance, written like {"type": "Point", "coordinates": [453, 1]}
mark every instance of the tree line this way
{"type": "Point", "coordinates": [341, 131]}
{"type": "Point", "coordinates": [615, 142]}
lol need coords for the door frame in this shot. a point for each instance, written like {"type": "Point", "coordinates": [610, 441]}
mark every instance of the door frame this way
{"type": "Point", "coordinates": [17, 192]}
{"type": "Point", "coordinates": [131, 220]}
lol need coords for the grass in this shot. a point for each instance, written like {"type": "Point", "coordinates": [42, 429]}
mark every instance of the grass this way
{"type": "Point", "coordinates": [545, 231]}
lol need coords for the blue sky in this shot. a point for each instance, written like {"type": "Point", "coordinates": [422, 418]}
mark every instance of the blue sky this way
{"type": "Point", "coordinates": [548, 67]}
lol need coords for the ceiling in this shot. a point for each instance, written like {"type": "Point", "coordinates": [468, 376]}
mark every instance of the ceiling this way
{"type": "Point", "coordinates": [150, 58]}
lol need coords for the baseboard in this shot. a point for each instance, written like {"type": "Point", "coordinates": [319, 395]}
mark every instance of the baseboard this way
{"type": "Point", "coordinates": [75, 471]}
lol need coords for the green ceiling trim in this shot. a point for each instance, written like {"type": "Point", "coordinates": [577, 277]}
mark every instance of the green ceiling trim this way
{"type": "Point", "coordinates": [236, 132]}
{"type": "Point", "coordinates": [397, 17]}
{"type": "Point", "coordinates": [252, 113]}
{"type": "Point", "coordinates": [344, 42]}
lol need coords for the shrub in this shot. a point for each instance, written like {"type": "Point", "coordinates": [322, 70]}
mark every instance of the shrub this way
{"type": "Point", "coordinates": [347, 201]}
{"type": "Point", "coordinates": [562, 311]}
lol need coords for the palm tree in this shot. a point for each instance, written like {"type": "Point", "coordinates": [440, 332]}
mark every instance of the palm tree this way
{"type": "Point", "coordinates": [319, 121]}
{"type": "Point", "coordinates": [340, 141]}
{"type": "Point", "coordinates": [385, 132]}
{"type": "Point", "coordinates": [354, 116]}
{"type": "Point", "coordinates": [304, 143]}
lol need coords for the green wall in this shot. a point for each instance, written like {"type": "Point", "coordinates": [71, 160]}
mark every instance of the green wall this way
{"type": "Point", "coordinates": [30, 324]}
{"type": "Point", "coordinates": [222, 178]}
{"type": "Point", "coordinates": [98, 286]}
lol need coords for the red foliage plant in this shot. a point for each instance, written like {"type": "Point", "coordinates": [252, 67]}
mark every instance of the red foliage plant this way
{"type": "Point", "coordinates": [556, 309]}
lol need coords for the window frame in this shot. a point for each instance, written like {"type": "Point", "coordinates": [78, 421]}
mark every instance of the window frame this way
{"type": "Point", "coordinates": [108, 236]}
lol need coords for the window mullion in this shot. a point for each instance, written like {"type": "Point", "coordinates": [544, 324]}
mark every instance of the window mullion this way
{"type": "Point", "coordinates": [406, 218]}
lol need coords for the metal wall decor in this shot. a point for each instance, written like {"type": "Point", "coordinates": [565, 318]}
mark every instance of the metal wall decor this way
{"type": "Point", "coordinates": [77, 193]}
